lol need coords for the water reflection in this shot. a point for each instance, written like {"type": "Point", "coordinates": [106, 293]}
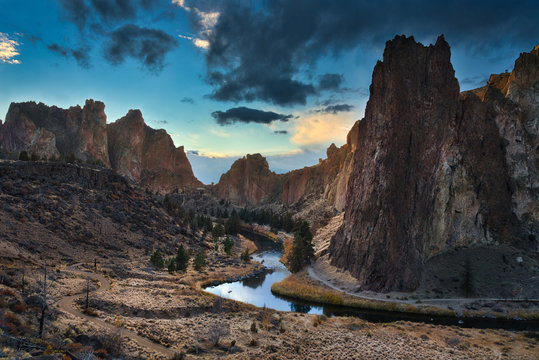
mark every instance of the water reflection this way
{"type": "Point", "coordinates": [256, 290]}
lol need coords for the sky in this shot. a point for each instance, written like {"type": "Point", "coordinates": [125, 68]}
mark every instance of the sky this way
{"type": "Point", "coordinates": [284, 78]}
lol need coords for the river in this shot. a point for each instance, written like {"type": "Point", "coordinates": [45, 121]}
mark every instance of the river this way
{"type": "Point", "coordinates": [256, 290]}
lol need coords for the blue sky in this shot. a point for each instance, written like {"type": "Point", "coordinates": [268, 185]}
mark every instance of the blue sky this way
{"type": "Point", "coordinates": [301, 68]}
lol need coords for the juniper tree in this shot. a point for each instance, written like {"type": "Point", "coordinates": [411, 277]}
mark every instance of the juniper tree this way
{"type": "Point", "coordinates": [302, 248]}
{"type": "Point", "coordinates": [182, 259]}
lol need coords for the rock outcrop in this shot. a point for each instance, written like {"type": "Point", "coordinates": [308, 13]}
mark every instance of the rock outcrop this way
{"type": "Point", "coordinates": [144, 155]}
{"type": "Point", "coordinates": [51, 131]}
{"type": "Point", "coordinates": [437, 169]}
{"type": "Point", "coordinates": [328, 179]}
{"type": "Point", "coordinates": [148, 156]}
{"type": "Point", "coordinates": [249, 182]}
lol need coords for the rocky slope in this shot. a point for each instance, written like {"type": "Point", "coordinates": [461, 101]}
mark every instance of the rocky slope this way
{"type": "Point", "coordinates": [148, 156]}
{"type": "Point", "coordinates": [144, 155]}
{"type": "Point", "coordinates": [249, 181]}
{"type": "Point", "coordinates": [438, 170]}
{"type": "Point", "coordinates": [65, 212]}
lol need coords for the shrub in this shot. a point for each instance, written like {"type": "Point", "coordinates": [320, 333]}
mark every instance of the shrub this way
{"type": "Point", "coordinates": [171, 266]}
{"type": "Point", "coordinates": [23, 156]}
{"type": "Point", "coordinates": [245, 256]}
{"type": "Point", "coordinates": [157, 259]}
{"type": "Point", "coordinates": [229, 244]}
{"type": "Point", "coordinates": [217, 331]}
{"type": "Point", "coordinates": [200, 261]}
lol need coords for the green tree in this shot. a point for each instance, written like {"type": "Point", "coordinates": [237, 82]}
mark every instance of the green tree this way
{"type": "Point", "coordinates": [233, 224]}
{"type": "Point", "coordinates": [199, 261]}
{"type": "Point", "coordinates": [23, 156]}
{"type": "Point", "coordinates": [157, 259]}
{"type": "Point", "coordinates": [182, 259]}
{"type": "Point", "coordinates": [229, 244]}
{"type": "Point", "coordinates": [218, 231]}
{"type": "Point", "coordinates": [171, 266]}
{"type": "Point", "coordinates": [302, 248]}
{"type": "Point", "coordinates": [34, 157]}
{"type": "Point", "coordinates": [467, 279]}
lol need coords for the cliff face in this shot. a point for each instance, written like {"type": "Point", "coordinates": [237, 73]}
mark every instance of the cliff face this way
{"type": "Point", "coordinates": [328, 179]}
{"type": "Point", "coordinates": [144, 155]}
{"type": "Point", "coordinates": [50, 131]}
{"type": "Point", "coordinates": [437, 169]}
{"type": "Point", "coordinates": [249, 182]}
{"type": "Point", "coordinates": [148, 156]}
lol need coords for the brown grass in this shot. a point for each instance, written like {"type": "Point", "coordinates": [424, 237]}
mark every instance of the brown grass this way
{"type": "Point", "coordinates": [301, 287]}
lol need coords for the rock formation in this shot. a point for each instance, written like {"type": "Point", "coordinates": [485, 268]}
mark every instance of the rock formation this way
{"type": "Point", "coordinates": [148, 156]}
{"type": "Point", "coordinates": [438, 169]}
{"type": "Point", "coordinates": [249, 181]}
{"type": "Point", "coordinates": [328, 179]}
{"type": "Point", "coordinates": [51, 131]}
{"type": "Point", "coordinates": [144, 155]}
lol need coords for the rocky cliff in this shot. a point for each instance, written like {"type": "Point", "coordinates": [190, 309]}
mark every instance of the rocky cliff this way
{"type": "Point", "coordinates": [327, 180]}
{"type": "Point", "coordinates": [148, 156]}
{"type": "Point", "coordinates": [51, 131]}
{"type": "Point", "coordinates": [437, 169]}
{"type": "Point", "coordinates": [249, 182]}
{"type": "Point", "coordinates": [142, 154]}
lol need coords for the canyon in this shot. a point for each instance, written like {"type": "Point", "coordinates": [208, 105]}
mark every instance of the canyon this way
{"type": "Point", "coordinates": [428, 170]}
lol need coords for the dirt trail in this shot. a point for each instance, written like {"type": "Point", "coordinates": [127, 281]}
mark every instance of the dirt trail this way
{"type": "Point", "coordinates": [323, 278]}
{"type": "Point", "coordinates": [66, 305]}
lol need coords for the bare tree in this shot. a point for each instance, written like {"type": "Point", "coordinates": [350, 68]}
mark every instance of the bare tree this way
{"type": "Point", "coordinates": [43, 304]}
{"type": "Point", "coordinates": [217, 331]}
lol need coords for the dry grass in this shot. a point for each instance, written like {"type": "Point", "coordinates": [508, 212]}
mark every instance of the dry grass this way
{"type": "Point", "coordinates": [301, 287]}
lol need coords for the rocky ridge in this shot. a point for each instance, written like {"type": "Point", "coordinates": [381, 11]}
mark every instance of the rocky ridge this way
{"type": "Point", "coordinates": [250, 181]}
{"type": "Point", "coordinates": [142, 154]}
{"type": "Point", "coordinates": [438, 170]}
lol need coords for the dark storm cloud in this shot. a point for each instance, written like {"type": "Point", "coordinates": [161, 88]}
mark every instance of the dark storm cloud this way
{"type": "Point", "coordinates": [103, 22]}
{"type": "Point", "coordinates": [76, 11]}
{"type": "Point", "coordinates": [330, 81]}
{"type": "Point", "coordinates": [334, 109]}
{"type": "Point", "coordinates": [281, 132]}
{"type": "Point", "coordinates": [80, 55]}
{"type": "Point", "coordinates": [187, 100]}
{"type": "Point", "coordinates": [258, 52]}
{"type": "Point", "coordinates": [114, 10]}
{"type": "Point", "coordinates": [149, 46]}
{"type": "Point", "coordinates": [247, 115]}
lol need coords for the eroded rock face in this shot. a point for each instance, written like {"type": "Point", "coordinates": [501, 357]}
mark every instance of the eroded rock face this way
{"type": "Point", "coordinates": [249, 181]}
{"type": "Point", "coordinates": [437, 169]}
{"type": "Point", "coordinates": [148, 156]}
{"type": "Point", "coordinates": [328, 179]}
{"type": "Point", "coordinates": [51, 131]}
{"type": "Point", "coordinates": [144, 155]}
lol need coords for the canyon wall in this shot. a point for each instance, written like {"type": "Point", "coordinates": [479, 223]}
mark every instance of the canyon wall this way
{"type": "Point", "coordinates": [144, 155]}
{"type": "Point", "coordinates": [148, 156]}
{"type": "Point", "coordinates": [438, 169]}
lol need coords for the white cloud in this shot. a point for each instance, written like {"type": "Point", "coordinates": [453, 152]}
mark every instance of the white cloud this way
{"type": "Point", "coordinates": [317, 129]}
{"type": "Point", "coordinates": [8, 50]}
{"type": "Point", "coordinates": [199, 43]}
{"type": "Point", "coordinates": [206, 20]}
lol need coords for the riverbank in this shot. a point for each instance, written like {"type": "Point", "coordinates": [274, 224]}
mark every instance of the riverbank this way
{"type": "Point", "coordinates": [323, 283]}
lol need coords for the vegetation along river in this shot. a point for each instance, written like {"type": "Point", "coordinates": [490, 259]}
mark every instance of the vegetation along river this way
{"type": "Point", "coordinates": [256, 290]}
